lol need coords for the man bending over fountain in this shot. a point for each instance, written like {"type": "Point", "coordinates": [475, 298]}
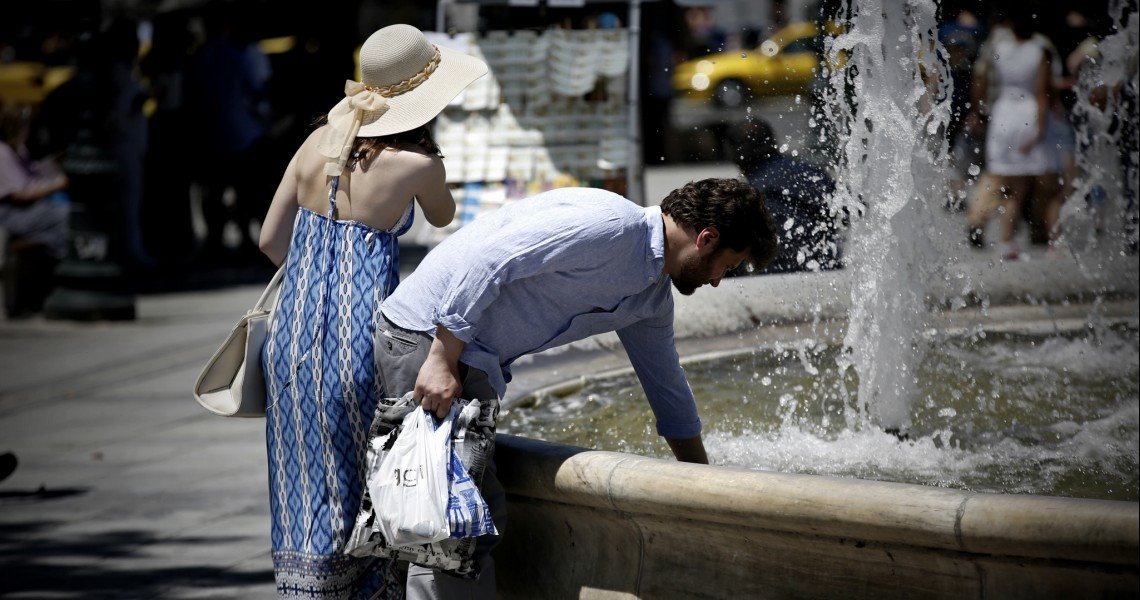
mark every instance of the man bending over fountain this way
{"type": "Point", "coordinates": [550, 270]}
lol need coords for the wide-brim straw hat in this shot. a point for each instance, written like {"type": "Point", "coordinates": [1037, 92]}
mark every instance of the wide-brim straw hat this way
{"type": "Point", "coordinates": [405, 81]}
{"type": "Point", "coordinates": [399, 53]}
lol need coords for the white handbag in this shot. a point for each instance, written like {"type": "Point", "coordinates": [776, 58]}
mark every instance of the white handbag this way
{"type": "Point", "coordinates": [232, 383]}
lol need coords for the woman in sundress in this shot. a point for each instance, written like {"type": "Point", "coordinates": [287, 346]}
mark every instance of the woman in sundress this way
{"type": "Point", "coordinates": [344, 199]}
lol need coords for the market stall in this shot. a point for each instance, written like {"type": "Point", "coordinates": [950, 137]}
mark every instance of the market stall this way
{"type": "Point", "coordinates": [556, 109]}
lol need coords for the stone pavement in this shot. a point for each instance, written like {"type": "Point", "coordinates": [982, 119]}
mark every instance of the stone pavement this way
{"type": "Point", "coordinates": [127, 489]}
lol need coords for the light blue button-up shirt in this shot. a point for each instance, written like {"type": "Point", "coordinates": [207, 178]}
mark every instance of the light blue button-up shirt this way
{"type": "Point", "coordinates": [546, 271]}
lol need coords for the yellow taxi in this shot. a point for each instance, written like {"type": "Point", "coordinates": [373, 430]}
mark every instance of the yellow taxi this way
{"type": "Point", "coordinates": [30, 82]}
{"type": "Point", "coordinates": [784, 64]}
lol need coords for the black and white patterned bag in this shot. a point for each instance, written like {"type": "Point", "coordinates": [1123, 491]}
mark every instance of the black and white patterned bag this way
{"type": "Point", "coordinates": [473, 438]}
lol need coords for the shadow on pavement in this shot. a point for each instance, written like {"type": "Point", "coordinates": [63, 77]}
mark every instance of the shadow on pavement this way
{"type": "Point", "coordinates": [39, 564]}
{"type": "Point", "coordinates": [42, 493]}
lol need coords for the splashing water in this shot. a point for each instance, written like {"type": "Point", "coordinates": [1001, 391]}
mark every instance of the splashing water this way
{"type": "Point", "coordinates": [1098, 195]}
{"type": "Point", "coordinates": [1015, 413]}
{"type": "Point", "coordinates": [891, 104]}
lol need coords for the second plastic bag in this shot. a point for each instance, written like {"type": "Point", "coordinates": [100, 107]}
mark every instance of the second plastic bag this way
{"type": "Point", "coordinates": [411, 496]}
{"type": "Point", "coordinates": [467, 512]}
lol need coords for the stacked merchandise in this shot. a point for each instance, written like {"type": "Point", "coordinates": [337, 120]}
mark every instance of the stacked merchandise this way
{"type": "Point", "coordinates": [552, 112]}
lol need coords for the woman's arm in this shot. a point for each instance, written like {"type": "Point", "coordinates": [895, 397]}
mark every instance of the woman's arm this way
{"type": "Point", "coordinates": [21, 185]}
{"type": "Point", "coordinates": [38, 188]}
{"type": "Point", "coordinates": [277, 229]}
{"type": "Point", "coordinates": [433, 195]}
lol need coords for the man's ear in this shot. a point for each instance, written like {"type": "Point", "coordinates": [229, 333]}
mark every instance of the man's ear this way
{"type": "Point", "coordinates": [708, 239]}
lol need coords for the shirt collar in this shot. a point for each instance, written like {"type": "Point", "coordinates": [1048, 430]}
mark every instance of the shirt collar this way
{"type": "Point", "coordinates": [655, 254]}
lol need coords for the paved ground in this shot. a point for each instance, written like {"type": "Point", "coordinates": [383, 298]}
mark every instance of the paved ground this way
{"type": "Point", "coordinates": [127, 489]}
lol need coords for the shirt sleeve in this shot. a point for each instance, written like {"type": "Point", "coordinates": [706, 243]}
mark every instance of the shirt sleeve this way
{"type": "Point", "coordinates": [653, 354]}
{"type": "Point", "coordinates": [519, 250]}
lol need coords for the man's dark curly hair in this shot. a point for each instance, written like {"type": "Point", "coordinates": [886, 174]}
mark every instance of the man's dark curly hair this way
{"type": "Point", "coordinates": [735, 208]}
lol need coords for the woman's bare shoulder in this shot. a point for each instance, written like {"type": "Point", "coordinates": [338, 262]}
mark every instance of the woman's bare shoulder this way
{"type": "Point", "coordinates": [308, 157]}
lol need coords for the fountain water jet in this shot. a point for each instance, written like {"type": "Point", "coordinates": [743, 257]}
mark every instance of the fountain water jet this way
{"type": "Point", "coordinates": [887, 175]}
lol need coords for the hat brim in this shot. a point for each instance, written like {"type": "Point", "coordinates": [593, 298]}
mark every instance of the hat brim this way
{"type": "Point", "coordinates": [416, 107]}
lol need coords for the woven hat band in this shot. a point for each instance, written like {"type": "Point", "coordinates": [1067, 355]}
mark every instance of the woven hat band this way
{"type": "Point", "coordinates": [410, 83]}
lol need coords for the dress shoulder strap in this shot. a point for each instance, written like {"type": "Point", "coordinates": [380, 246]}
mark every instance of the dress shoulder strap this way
{"type": "Point", "coordinates": [336, 185]}
{"type": "Point", "coordinates": [332, 196]}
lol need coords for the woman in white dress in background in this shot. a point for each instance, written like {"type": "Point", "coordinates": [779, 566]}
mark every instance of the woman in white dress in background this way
{"type": "Point", "coordinates": [1021, 163]}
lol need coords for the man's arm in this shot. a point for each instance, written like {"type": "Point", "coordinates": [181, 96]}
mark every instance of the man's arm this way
{"type": "Point", "coordinates": [653, 355]}
{"type": "Point", "coordinates": [438, 381]}
{"type": "Point", "coordinates": [690, 450]}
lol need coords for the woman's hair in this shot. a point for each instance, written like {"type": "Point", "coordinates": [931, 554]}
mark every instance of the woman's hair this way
{"type": "Point", "coordinates": [1022, 16]}
{"type": "Point", "coordinates": [366, 148]}
{"type": "Point", "coordinates": [735, 208]}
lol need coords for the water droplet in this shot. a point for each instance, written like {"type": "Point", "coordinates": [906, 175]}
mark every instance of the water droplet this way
{"type": "Point", "coordinates": [743, 55]}
{"type": "Point", "coordinates": [769, 48]}
{"type": "Point", "coordinates": [766, 381]}
{"type": "Point", "coordinates": [974, 170]}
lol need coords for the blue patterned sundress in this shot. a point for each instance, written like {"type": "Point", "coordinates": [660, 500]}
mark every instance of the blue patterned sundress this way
{"type": "Point", "coordinates": [322, 391]}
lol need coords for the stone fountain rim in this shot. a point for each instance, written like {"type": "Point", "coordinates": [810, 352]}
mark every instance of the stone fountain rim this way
{"type": "Point", "coordinates": [1021, 525]}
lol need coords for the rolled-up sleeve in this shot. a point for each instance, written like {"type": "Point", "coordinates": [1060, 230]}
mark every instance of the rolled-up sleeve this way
{"type": "Point", "coordinates": [653, 354]}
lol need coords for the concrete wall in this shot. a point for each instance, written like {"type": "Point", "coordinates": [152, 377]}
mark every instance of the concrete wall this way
{"type": "Point", "coordinates": [589, 524]}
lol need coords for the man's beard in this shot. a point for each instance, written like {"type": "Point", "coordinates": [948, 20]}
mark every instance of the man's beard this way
{"type": "Point", "coordinates": [692, 275]}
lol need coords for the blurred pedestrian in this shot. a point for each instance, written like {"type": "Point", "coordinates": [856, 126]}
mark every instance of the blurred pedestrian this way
{"type": "Point", "coordinates": [962, 37]}
{"type": "Point", "coordinates": [118, 53]}
{"type": "Point", "coordinates": [100, 110]}
{"type": "Point", "coordinates": [33, 206]}
{"type": "Point", "coordinates": [796, 193]}
{"type": "Point", "coordinates": [167, 217]}
{"type": "Point", "coordinates": [224, 86]}
{"type": "Point", "coordinates": [1021, 164]}
{"type": "Point", "coordinates": [345, 197]}
{"type": "Point", "coordinates": [34, 211]}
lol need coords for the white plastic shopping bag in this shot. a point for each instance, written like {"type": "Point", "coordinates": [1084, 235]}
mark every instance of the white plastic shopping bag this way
{"type": "Point", "coordinates": [473, 441]}
{"type": "Point", "coordinates": [410, 497]}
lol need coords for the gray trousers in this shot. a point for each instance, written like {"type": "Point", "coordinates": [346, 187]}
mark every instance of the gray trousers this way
{"type": "Point", "coordinates": [399, 355]}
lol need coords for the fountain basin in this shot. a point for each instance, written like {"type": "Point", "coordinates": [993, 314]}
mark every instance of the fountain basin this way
{"type": "Point", "coordinates": [597, 524]}
{"type": "Point", "coordinates": [593, 524]}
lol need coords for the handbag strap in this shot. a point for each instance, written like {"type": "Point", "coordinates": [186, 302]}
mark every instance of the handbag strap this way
{"type": "Point", "coordinates": [269, 289]}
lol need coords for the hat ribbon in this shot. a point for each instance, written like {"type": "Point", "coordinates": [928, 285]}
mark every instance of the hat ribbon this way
{"type": "Point", "coordinates": [345, 118]}
{"type": "Point", "coordinates": [344, 123]}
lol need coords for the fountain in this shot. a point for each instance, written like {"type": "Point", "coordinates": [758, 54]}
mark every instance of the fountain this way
{"type": "Point", "coordinates": [603, 524]}
{"type": "Point", "coordinates": [889, 174]}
